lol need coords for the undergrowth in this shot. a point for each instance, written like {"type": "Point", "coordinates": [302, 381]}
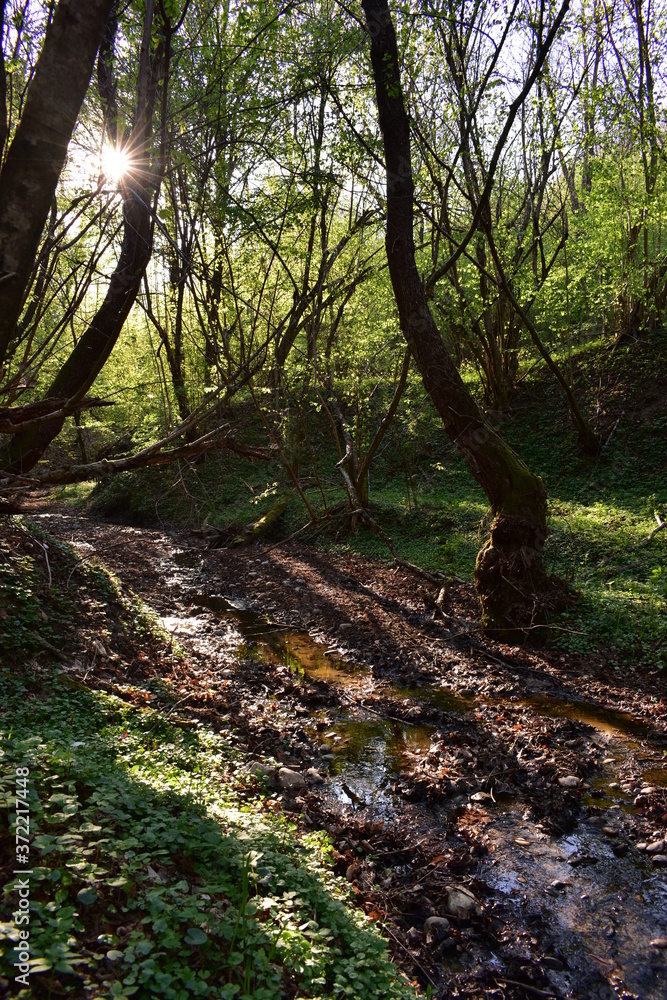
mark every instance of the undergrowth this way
{"type": "Point", "coordinates": [157, 867]}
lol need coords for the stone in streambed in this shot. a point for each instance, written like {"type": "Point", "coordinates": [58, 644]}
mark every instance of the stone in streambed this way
{"type": "Point", "coordinates": [291, 781]}
{"type": "Point", "coordinates": [656, 847]}
{"type": "Point", "coordinates": [314, 776]}
{"type": "Point", "coordinates": [659, 860]}
{"type": "Point", "coordinates": [569, 781]}
{"type": "Point", "coordinates": [436, 929]}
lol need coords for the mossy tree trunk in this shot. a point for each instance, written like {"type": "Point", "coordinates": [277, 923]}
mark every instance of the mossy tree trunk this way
{"type": "Point", "coordinates": [509, 575]}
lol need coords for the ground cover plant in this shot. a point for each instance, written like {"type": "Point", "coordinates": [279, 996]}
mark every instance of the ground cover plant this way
{"type": "Point", "coordinates": [156, 869]}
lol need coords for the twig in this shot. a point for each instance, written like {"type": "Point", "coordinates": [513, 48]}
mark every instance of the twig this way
{"type": "Point", "coordinates": [46, 556]}
{"type": "Point", "coordinates": [407, 951]}
{"type": "Point", "coordinates": [611, 434]}
{"type": "Point", "coordinates": [531, 990]}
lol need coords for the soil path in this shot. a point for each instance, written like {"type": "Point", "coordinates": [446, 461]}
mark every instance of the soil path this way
{"type": "Point", "coordinates": [500, 812]}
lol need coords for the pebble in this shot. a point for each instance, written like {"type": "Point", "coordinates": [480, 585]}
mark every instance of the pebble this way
{"type": "Point", "coordinates": [647, 790]}
{"type": "Point", "coordinates": [314, 775]}
{"type": "Point", "coordinates": [641, 846]}
{"type": "Point", "coordinates": [569, 781]}
{"type": "Point", "coordinates": [559, 885]}
{"type": "Point", "coordinates": [325, 748]}
{"type": "Point", "coordinates": [610, 831]}
{"type": "Point", "coordinates": [436, 929]}
{"type": "Point", "coordinates": [656, 847]}
{"type": "Point", "coordinates": [659, 943]}
{"type": "Point", "coordinates": [620, 850]}
{"type": "Point", "coordinates": [290, 780]}
{"type": "Point", "coordinates": [659, 860]}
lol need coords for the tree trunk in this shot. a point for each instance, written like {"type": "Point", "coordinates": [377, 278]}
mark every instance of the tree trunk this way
{"type": "Point", "coordinates": [510, 579]}
{"type": "Point", "coordinates": [38, 150]}
{"type": "Point", "coordinates": [95, 345]}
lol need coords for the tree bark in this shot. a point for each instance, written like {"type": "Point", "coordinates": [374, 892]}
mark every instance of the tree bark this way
{"type": "Point", "coordinates": [38, 150]}
{"type": "Point", "coordinates": [509, 576]}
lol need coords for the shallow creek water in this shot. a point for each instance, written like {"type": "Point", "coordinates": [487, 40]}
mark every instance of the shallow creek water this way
{"type": "Point", "coordinates": [603, 916]}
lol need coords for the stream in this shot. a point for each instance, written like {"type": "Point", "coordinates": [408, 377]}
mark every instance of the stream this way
{"type": "Point", "coordinates": [602, 910]}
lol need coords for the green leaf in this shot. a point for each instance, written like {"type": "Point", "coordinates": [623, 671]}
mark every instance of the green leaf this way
{"type": "Point", "coordinates": [87, 896]}
{"type": "Point", "coordinates": [195, 936]}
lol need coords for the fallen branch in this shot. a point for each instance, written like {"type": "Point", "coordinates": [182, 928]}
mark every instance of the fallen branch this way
{"type": "Point", "coordinates": [661, 524]}
{"type": "Point", "coordinates": [149, 456]}
{"type": "Point", "coordinates": [24, 418]}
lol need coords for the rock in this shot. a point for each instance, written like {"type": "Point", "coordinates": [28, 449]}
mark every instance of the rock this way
{"type": "Point", "coordinates": [263, 771]}
{"type": "Point", "coordinates": [291, 781]}
{"type": "Point", "coordinates": [559, 885]}
{"type": "Point", "coordinates": [656, 847]}
{"type": "Point", "coordinates": [569, 781]}
{"type": "Point", "coordinates": [659, 943]}
{"type": "Point", "coordinates": [641, 846]}
{"type": "Point", "coordinates": [460, 902]}
{"type": "Point", "coordinates": [647, 790]}
{"type": "Point", "coordinates": [314, 776]}
{"type": "Point", "coordinates": [582, 859]}
{"type": "Point", "coordinates": [550, 962]}
{"type": "Point", "coordinates": [436, 929]}
{"type": "Point", "coordinates": [413, 936]}
{"type": "Point", "coordinates": [325, 748]}
{"type": "Point", "coordinates": [620, 850]}
{"type": "Point", "coordinates": [659, 860]}
{"type": "Point", "coordinates": [610, 831]}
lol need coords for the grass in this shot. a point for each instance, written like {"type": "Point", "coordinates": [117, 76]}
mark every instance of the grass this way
{"type": "Point", "coordinates": [158, 867]}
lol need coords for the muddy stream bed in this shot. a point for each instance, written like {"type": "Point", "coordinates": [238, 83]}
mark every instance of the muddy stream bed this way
{"type": "Point", "coordinates": [508, 838]}
{"type": "Point", "coordinates": [606, 901]}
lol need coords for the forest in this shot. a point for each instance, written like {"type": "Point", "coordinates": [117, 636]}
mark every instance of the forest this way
{"type": "Point", "coordinates": [333, 497]}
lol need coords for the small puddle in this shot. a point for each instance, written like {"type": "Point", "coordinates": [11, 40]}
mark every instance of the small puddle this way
{"type": "Point", "coordinates": [603, 719]}
{"type": "Point", "coordinates": [270, 643]}
{"type": "Point", "coordinates": [369, 754]}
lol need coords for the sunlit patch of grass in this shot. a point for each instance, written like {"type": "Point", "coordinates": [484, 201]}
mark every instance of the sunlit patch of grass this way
{"type": "Point", "coordinates": [74, 494]}
{"type": "Point", "coordinates": [157, 869]}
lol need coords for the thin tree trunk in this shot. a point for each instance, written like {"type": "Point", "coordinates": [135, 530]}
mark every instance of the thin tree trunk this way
{"type": "Point", "coordinates": [509, 572]}
{"type": "Point", "coordinates": [38, 150]}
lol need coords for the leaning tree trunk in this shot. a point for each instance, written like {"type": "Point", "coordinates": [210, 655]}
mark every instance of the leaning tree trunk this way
{"type": "Point", "coordinates": [509, 575]}
{"type": "Point", "coordinates": [38, 150]}
{"type": "Point", "coordinates": [95, 345]}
